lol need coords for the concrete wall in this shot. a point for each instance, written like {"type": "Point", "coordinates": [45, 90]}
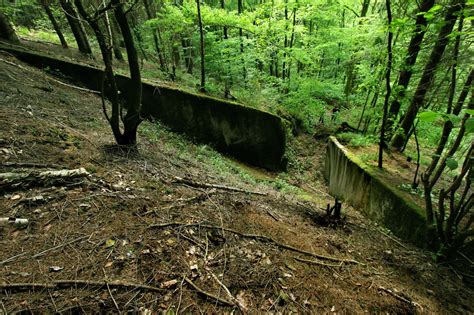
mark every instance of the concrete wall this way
{"type": "Point", "coordinates": [250, 135]}
{"type": "Point", "coordinates": [358, 184]}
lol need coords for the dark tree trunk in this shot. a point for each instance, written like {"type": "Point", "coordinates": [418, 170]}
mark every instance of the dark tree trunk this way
{"type": "Point", "coordinates": [201, 38]}
{"type": "Point", "coordinates": [226, 36]}
{"type": "Point", "coordinates": [410, 59]}
{"type": "Point", "coordinates": [57, 29]}
{"type": "Point", "coordinates": [239, 11]}
{"type": "Point", "coordinates": [285, 44]}
{"type": "Point", "coordinates": [428, 73]}
{"type": "Point", "coordinates": [115, 39]}
{"type": "Point", "coordinates": [134, 96]}
{"type": "Point", "coordinates": [134, 90]}
{"type": "Point", "coordinates": [365, 8]}
{"type": "Point", "coordinates": [150, 12]}
{"type": "Point", "coordinates": [6, 30]}
{"type": "Point", "coordinates": [76, 27]}
{"type": "Point", "coordinates": [387, 83]}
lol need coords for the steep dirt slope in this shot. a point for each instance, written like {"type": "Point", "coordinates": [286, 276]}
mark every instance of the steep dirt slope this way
{"type": "Point", "coordinates": [140, 234]}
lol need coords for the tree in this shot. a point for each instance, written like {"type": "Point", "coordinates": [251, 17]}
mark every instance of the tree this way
{"type": "Point", "coordinates": [6, 30]}
{"type": "Point", "coordinates": [387, 83]}
{"type": "Point", "coordinates": [428, 73]}
{"type": "Point", "coordinates": [76, 27]}
{"type": "Point", "coordinates": [57, 28]}
{"type": "Point", "coordinates": [201, 38]}
{"type": "Point", "coordinates": [131, 120]}
{"type": "Point", "coordinates": [406, 70]}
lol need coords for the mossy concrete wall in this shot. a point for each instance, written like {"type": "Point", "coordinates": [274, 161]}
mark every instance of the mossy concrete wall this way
{"type": "Point", "coordinates": [251, 135]}
{"type": "Point", "coordinates": [362, 187]}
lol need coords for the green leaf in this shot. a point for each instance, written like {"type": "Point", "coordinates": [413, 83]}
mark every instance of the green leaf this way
{"type": "Point", "coordinates": [451, 163]}
{"type": "Point", "coordinates": [428, 116]}
{"type": "Point", "coordinates": [109, 243]}
{"type": "Point", "coordinates": [469, 125]}
{"type": "Point", "coordinates": [469, 111]}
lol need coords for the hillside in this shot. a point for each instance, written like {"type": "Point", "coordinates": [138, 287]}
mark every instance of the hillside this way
{"type": "Point", "coordinates": [177, 227]}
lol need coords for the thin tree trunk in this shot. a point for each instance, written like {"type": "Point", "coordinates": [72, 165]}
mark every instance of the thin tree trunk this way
{"type": "Point", "coordinates": [201, 38]}
{"type": "Point", "coordinates": [57, 28]}
{"type": "Point", "coordinates": [76, 27]}
{"type": "Point", "coordinates": [151, 15]}
{"type": "Point", "coordinates": [115, 40]}
{"type": "Point", "coordinates": [410, 59]}
{"type": "Point", "coordinates": [387, 83]}
{"type": "Point", "coordinates": [428, 73]}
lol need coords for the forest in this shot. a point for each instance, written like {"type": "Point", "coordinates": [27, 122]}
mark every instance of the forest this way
{"type": "Point", "coordinates": [391, 80]}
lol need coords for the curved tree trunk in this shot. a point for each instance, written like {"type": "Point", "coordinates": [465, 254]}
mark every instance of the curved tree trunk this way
{"type": "Point", "coordinates": [410, 59]}
{"type": "Point", "coordinates": [428, 73]}
{"type": "Point", "coordinates": [6, 30]}
{"type": "Point", "coordinates": [57, 29]}
{"type": "Point", "coordinates": [76, 27]}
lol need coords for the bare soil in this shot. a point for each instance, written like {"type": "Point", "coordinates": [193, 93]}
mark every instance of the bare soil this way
{"type": "Point", "coordinates": [132, 237]}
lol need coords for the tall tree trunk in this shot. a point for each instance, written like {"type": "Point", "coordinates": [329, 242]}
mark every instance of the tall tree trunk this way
{"type": "Point", "coordinates": [201, 37]}
{"type": "Point", "coordinates": [226, 35]}
{"type": "Point", "coordinates": [6, 30]}
{"type": "Point", "coordinates": [285, 44]}
{"type": "Point", "coordinates": [240, 8]}
{"type": "Point", "coordinates": [387, 83]}
{"type": "Point", "coordinates": [150, 12]}
{"type": "Point", "coordinates": [76, 27]}
{"type": "Point", "coordinates": [428, 73]}
{"type": "Point", "coordinates": [57, 29]}
{"type": "Point", "coordinates": [410, 59]}
{"type": "Point", "coordinates": [115, 39]}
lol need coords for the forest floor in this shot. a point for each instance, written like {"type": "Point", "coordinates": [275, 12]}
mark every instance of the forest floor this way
{"type": "Point", "coordinates": [142, 233]}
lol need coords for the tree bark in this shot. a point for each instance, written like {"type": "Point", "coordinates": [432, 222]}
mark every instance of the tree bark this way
{"type": "Point", "coordinates": [76, 27]}
{"type": "Point", "coordinates": [6, 30]}
{"type": "Point", "coordinates": [387, 82]}
{"type": "Point", "coordinates": [134, 96]}
{"type": "Point", "coordinates": [201, 37]}
{"type": "Point", "coordinates": [57, 28]}
{"type": "Point", "coordinates": [428, 73]}
{"type": "Point", "coordinates": [410, 59]}
{"type": "Point", "coordinates": [151, 15]}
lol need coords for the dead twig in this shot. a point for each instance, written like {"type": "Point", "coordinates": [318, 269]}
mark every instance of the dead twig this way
{"type": "Point", "coordinates": [59, 246]}
{"type": "Point", "coordinates": [242, 307]}
{"type": "Point", "coordinates": [67, 284]}
{"type": "Point", "coordinates": [399, 297]}
{"type": "Point", "coordinates": [110, 292]}
{"type": "Point", "coordinates": [206, 185]}
{"type": "Point", "coordinates": [30, 164]}
{"type": "Point", "coordinates": [257, 237]}
{"type": "Point", "coordinates": [207, 294]}
{"type": "Point", "coordinates": [314, 262]}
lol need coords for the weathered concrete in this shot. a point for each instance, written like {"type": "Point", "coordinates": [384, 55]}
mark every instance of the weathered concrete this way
{"type": "Point", "coordinates": [251, 135]}
{"type": "Point", "coordinates": [353, 181]}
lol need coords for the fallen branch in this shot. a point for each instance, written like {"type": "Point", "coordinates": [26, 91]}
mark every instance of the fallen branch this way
{"type": "Point", "coordinates": [207, 294]}
{"type": "Point", "coordinates": [241, 306]}
{"type": "Point", "coordinates": [29, 164]}
{"type": "Point", "coordinates": [257, 237]}
{"type": "Point", "coordinates": [44, 251]}
{"type": "Point", "coordinates": [66, 284]}
{"type": "Point", "coordinates": [206, 185]}
{"type": "Point", "coordinates": [399, 297]}
{"type": "Point", "coordinates": [314, 262]}
{"type": "Point", "coordinates": [13, 179]}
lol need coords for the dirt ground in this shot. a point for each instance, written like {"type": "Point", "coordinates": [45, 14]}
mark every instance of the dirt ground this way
{"type": "Point", "coordinates": [142, 232]}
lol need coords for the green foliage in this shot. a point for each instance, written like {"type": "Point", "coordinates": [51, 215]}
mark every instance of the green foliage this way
{"type": "Point", "coordinates": [357, 140]}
